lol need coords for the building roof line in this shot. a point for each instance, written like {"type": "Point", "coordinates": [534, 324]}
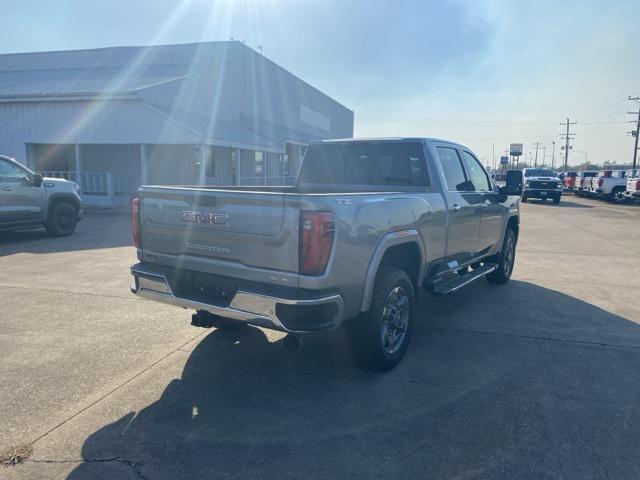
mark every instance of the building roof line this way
{"type": "Point", "coordinates": [66, 97]}
{"type": "Point", "coordinates": [121, 47]}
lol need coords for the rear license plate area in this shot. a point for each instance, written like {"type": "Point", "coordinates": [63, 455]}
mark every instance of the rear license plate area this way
{"type": "Point", "coordinates": [204, 288]}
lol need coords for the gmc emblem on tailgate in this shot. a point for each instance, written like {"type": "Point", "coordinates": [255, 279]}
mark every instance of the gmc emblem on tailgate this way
{"type": "Point", "coordinates": [204, 218]}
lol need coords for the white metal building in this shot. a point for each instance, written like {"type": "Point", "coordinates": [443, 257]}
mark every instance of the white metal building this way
{"type": "Point", "coordinates": [114, 118]}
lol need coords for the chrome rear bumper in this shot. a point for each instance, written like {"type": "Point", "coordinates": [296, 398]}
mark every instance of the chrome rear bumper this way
{"type": "Point", "coordinates": [247, 307]}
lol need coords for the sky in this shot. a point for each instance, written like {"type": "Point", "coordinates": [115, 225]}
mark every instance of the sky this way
{"type": "Point", "coordinates": [483, 73]}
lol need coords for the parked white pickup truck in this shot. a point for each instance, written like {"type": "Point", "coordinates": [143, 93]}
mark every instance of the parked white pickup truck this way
{"type": "Point", "coordinates": [632, 192]}
{"type": "Point", "coordinates": [609, 185]}
{"type": "Point", "coordinates": [583, 181]}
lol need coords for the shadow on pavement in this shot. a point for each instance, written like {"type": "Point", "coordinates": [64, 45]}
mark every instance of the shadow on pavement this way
{"type": "Point", "coordinates": [570, 204]}
{"type": "Point", "coordinates": [95, 231]}
{"type": "Point", "coordinates": [522, 387]}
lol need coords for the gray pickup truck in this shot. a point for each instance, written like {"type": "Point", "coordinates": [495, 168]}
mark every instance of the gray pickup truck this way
{"type": "Point", "coordinates": [27, 200]}
{"type": "Point", "coordinates": [367, 224]}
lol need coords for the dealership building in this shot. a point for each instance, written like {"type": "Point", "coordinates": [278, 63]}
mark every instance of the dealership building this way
{"type": "Point", "coordinates": [111, 119]}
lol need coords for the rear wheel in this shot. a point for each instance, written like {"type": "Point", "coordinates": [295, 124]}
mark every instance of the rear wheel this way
{"type": "Point", "coordinates": [617, 195]}
{"type": "Point", "coordinates": [383, 334]}
{"type": "Point", "coordinates": [62, 220]}
{"type": "Point", "coordinates": [506, 259]}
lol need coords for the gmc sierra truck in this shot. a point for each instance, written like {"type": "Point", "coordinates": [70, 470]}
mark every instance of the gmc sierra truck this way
{"type": "Point", "coordinates": [27, 200]}
{"type": "Point", "coordinates": [366, 225]}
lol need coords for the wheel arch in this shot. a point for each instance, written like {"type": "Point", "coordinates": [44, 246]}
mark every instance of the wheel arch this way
{"type": "Point", "coordinates": [402, 249]}
{"type": "Point", "coordinates": [56, 198]}
{"type": "Point", "coordinates": [514, 223]}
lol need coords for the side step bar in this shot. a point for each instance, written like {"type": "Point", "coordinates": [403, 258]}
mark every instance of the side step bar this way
{"type": "Point", "coordinates": [459, 281]}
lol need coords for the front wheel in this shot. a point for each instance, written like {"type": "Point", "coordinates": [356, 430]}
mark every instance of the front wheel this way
{"type": "Point", "coordinates": [62, 220]}
{"type": "Point", "coordinates": [556, 200]}
{"type": "Point", "coordinates": [523, 199]}
{"type": "Point", "coordinates": [383, 333]}
{"type": "Point", "coordinates": [506, 259]}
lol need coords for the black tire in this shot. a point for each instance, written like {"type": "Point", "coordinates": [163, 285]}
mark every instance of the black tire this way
{"type": "Point", "coordinates": [383, 334]}
{"type": "Point", "coordinates": [556, 199]}
{"type": "Point", "coordinates": [506, 259]}
{"type": "Point", "coordinates": [617, 195]}
{"type": "Point", "coordinates": [523, 199]}
{"type": "Point", "coordinates": [62, 220]}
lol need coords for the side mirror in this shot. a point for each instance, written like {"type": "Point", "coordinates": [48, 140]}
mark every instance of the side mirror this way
{"type": "Point", "coordinates": [514, 182]}
{"type": "Point", "coordinates": [36, 179]}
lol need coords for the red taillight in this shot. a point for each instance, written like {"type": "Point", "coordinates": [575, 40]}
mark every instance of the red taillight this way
{"type": "Point", "coordinates": [135, 221]}
{"type": "Point", "coordinates": [600, 181]}
{"type": "Point", "coordinates": [317, 230]}
{"type": "Point", "coordinates": [637, 184]}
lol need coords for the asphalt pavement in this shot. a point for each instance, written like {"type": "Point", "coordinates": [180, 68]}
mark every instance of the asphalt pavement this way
{"type": "Point", "coordinates": [539, 378]}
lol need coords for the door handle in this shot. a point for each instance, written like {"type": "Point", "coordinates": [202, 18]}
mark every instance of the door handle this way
{"type": "Point", "coordinates": [455, 207]}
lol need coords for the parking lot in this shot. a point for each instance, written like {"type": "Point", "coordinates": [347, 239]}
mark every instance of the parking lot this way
{"type": "Point", "coordinates": [537, 378]}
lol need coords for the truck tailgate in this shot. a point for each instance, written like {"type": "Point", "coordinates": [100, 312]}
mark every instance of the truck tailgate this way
{"type": "Point", "coordinates": [256, 229]}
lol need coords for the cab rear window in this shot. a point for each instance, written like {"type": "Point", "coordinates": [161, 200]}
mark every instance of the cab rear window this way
{"type": "Point", "coordinates": [365, 163]}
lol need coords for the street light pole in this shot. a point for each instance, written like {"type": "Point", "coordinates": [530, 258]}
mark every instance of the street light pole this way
{"type": "Point", "coordinates": [553, 156]}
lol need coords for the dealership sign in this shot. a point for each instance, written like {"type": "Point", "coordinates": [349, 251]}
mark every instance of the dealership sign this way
{"type": "Point", "coordinates": [504, 160]}
{"type": "Point", "coordinates": [515, 149]}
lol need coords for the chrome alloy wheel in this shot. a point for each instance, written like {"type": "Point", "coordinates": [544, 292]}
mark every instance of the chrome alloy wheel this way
{"type": "Point", "coordinates": [395, 320]}
{"type": "Point", "coordinates": [509, 254]}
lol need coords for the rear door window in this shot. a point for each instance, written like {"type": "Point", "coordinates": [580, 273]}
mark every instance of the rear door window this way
{"type": "Point", "coordinates": [453, 171]}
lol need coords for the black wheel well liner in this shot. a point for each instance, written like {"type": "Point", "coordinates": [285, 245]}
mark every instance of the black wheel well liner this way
{"type": "Point", "coordinates": [405, 256]}
{"type": "Point", "coordinates": [63, 197]}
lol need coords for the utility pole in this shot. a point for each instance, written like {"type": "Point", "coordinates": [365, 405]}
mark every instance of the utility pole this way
{"type": "Point", "coordinates": [493, 156]}
{"type": "Point", "coordinates": [537, 147]}
{"type": "Point", "coordinates": [553, 156]}
{"type": "Point", "coordinates": [567, 136]}
{"type": "Point", "coordinates": [635, 133]}
{"type": "Point", "coordinates": [544, 156]}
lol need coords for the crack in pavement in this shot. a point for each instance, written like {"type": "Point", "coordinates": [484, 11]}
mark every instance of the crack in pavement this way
{"type": "Point", "coordinates": [136, 466]}
{"type": "Point", "coordinates": [574, 281]}
{"type": "Point", "coordinates": [535, 337]}
{"type": "Point", "coordinates": [115, 389]}
{"type": "Point", "coordinates": [53, 290]}
{"type": "Point", "coordinates": [577, 226]}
